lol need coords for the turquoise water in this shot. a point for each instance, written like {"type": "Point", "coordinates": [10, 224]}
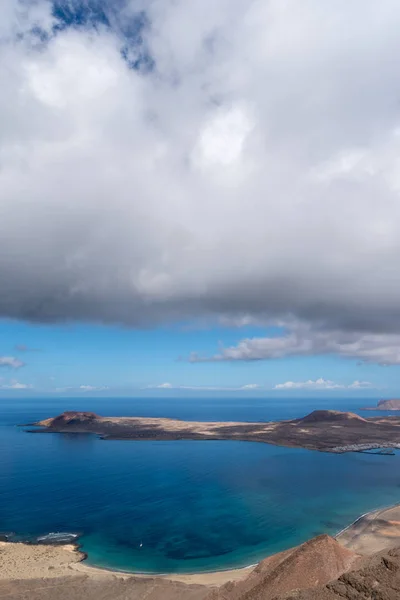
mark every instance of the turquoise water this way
{"type": "Point", "coordinates": [181, 506]}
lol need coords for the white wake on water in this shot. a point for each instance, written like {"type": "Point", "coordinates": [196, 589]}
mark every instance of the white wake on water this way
{"type": "Point", "coordinates": [57, 537]}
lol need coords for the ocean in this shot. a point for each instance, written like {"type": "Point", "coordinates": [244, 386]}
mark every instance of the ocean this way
{"type": "Point", "coordinates": [182, 506]}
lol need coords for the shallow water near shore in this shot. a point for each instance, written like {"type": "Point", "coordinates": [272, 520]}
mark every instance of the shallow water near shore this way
{"type": "Point", "coordinates": [183, 506]}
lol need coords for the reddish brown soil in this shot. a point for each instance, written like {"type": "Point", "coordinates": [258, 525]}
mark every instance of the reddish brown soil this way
{"type": "Point", "coordinates": [314, 563]}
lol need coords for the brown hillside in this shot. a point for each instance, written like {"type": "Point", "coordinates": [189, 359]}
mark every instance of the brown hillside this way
{"type": "Point", "coordinates": [69, 417]}
{"type": "Point", "coordinates": [377, 579]}
{"type": "Point", "coordinates": [327, 416]}
{"type": "Point", "coordinates": [312, 564]}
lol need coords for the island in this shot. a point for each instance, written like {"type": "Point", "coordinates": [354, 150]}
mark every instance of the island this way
{"type": "Point", "coordinates": [393, 404]}
{"type": "Point", "coordinates": [323, 430]}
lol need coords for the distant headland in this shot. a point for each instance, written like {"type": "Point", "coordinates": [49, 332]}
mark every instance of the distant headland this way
{"type": "Point", "coordinates": [323, 430]}
{"type": "Point", "coordinates": [392, 404]}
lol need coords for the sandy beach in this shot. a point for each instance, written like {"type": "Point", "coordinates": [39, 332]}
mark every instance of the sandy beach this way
{"type": "Point", "coordinates": [29, 561]}
{"type": "Point", "coordinates": [49, 572]}
{"type": "Point", "coordinates": [375, 531]}
{"type": "Point", "coordinates": [370, 533]}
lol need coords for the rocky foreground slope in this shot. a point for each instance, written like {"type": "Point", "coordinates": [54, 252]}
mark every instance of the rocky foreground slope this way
{"type": "Point", "coordinates": [318, 570]}
{"type": "Point", "coordinates": [314, 563]}
{"type": "Point", "coordinates": [377, 579]}
{"type": "Point", "coordinates": [325, 430]}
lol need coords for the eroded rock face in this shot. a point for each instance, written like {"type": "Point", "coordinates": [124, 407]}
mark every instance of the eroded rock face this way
{"type": "Point", "coordinates": [69, 417]}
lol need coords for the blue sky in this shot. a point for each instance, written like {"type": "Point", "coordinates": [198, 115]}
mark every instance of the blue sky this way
{"type": "Point", "coordinates": [60, 359]}
{"type": "Point", "coordinates": [199, 198]}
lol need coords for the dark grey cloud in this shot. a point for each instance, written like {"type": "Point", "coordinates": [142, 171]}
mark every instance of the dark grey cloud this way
{"type": "Point", "coordinates": [251, 175]}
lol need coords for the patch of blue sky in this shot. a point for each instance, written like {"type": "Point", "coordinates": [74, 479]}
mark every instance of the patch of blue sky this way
{"type": "Point", "coordinates": [127, 360]}
{"type": "Point", "coordinates": [129, 26]}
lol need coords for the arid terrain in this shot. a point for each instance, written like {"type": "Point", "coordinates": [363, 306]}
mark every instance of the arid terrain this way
{"type": "Point", "coordinates": [324, 430]}
{"type": "Point", "coordinates": [373, 532]}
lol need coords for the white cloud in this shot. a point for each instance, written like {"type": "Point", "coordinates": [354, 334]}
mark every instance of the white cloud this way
{"type": "Point", "coordinates": [82, 388]}
{"type": "Point", "coordinates": [254, 171]}
{"type": "Point", "coordinates": [250, 386]}
{"type": "Point", "coordinates": [164, 386]}
{"type": "Point", "coordinates": [11, 361]}
{"type": "Point", "coordinates": [16, 385]}
{"type": "Point", "coordinates": [321, 384]}
{"type": "Point", "coordinates": [301, 340]}
{"type": "Point", "coordinates": [356, 385]}
{"type": "Point", "coordinates": [222, 139]}
{"type": "Point", "coordinates": [92, 388]}
{"type": "Point", "coordinates": [209, 388]}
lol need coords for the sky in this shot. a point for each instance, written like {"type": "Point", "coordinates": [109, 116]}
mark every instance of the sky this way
{"type": "Point", "coordinates": [199, 198]}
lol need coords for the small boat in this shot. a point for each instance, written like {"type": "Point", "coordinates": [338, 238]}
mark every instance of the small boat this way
{"type": "Point", "coordinates": [141, 544]}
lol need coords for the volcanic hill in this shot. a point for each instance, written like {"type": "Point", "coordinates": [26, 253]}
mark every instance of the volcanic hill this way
{"type": "Point", "coordinates": [324, 430]}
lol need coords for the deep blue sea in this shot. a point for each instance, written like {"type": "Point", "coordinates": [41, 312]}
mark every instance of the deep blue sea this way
{"type": "Point", "coordinates": [181, 506]}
